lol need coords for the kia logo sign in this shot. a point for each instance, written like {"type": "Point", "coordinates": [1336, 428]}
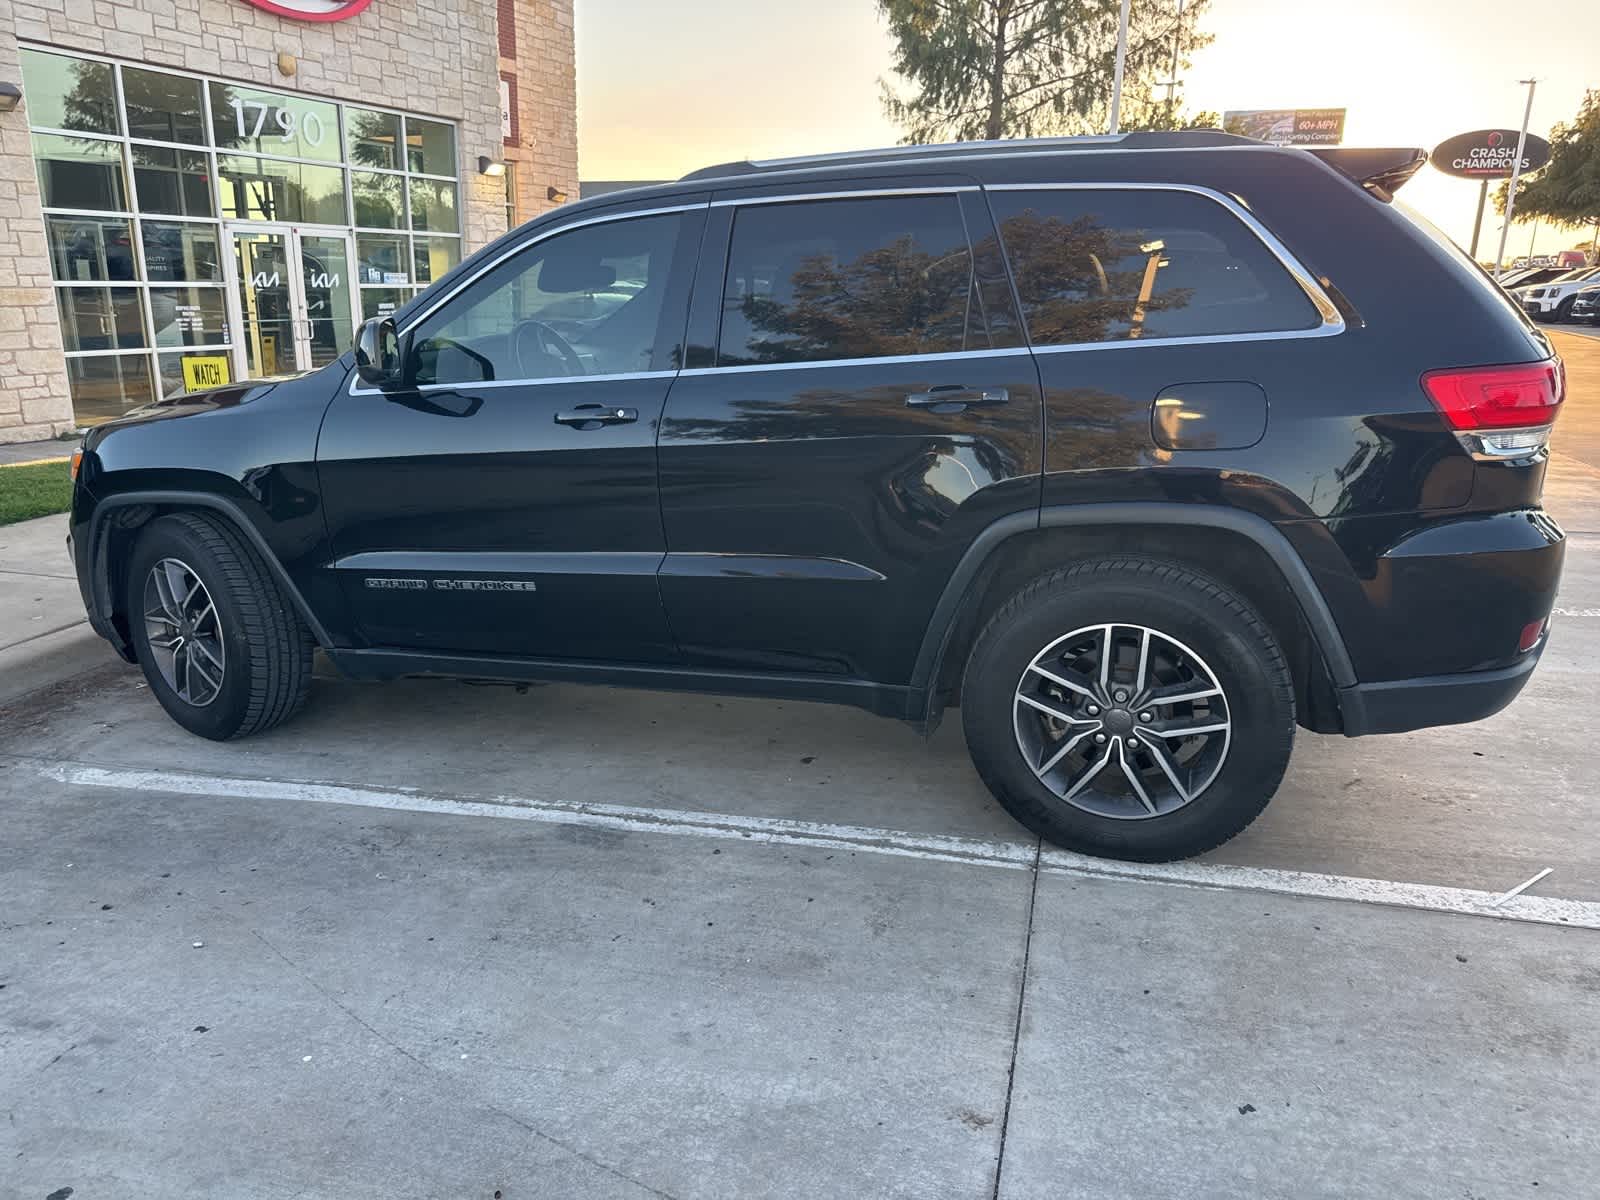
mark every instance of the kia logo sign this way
{"type": "Point", "coordinates": [312, 10]}
{"type": "Point", "coordinates": [1488, 154]}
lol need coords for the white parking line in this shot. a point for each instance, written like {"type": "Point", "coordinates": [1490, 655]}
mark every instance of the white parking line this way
{"type": "Point", "coordinates": [861, 839]}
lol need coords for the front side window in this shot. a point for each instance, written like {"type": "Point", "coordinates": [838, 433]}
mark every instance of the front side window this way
{"type": "Point", "coordinates": [837, 279]}
{"type": "Point", "coordinates": [1113, 265]}
{"type": "Point", "coordinates": [585, 302]}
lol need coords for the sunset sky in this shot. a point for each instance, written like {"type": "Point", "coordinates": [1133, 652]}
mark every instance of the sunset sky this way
{"type": "Point", "coordinates": [665, 88]}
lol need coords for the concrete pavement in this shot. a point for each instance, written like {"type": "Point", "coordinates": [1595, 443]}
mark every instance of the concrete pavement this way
{"type": "Point", "coordinates": [44, 635]}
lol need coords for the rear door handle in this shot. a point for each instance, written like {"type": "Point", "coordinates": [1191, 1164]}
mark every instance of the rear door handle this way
{"type": "Point", "coordinates": [596, 416]}
{"type": "Point", "coordinates": [955, 396]}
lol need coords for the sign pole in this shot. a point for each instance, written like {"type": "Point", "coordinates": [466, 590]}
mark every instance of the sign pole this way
{"type": "Point", "coordinates": [1516, 169]}
{"type": "Point", "coordinates": [1116, 80]}
{"type": "Point", "coordinates": [1172, 83]}
{"type": "Point", "coordinates": [1477, 221]}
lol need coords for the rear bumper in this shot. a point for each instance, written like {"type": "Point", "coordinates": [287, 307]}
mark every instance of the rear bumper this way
{"type": "Point", "coordinates": [1400, 705]}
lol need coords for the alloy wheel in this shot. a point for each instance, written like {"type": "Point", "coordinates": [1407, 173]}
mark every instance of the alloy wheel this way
{"type": "Point", "coordinates": [1122, 721]}
{"type": "Point", "coordinates": [184, 632]}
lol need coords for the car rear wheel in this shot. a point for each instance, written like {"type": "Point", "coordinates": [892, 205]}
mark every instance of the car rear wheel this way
{"type": "Point", "coordinates": [220, 644]}
{"type": "Point", "coordinates": [1129, 708]}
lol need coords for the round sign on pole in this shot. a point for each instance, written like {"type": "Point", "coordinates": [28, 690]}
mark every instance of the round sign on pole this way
{"type": "Point", "coordinates": [1488, 154]}
{"type": "Point", "coordinates": [312, 10]}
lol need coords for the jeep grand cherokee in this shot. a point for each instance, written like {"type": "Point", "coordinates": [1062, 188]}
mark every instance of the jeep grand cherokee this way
{"type": "Point", "coordinates": [1135, 448]}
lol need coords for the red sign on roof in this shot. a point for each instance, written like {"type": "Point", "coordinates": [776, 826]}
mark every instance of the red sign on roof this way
{"type": "Point", "coordinates": [312, 10]}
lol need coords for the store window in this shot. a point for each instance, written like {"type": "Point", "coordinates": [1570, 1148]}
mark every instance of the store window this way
{"type": "Point", "coordinates": [204, 231]}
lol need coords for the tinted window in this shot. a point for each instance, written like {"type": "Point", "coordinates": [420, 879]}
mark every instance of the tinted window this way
{"type": "Point", "coordinates": [85, 248]}
{"type": "Point", "coordinates": [585, 302]}
{"type": "Point", "coordinates": [69, 93]}
{"type": "Point", "coordinates": [1105, 266]}
{"type": "Point", "coordinates": [172, 181]}
{"type": "Point", "coordinates": [164, 108]}
{"type": "Point", "coordinates": [832, 279]}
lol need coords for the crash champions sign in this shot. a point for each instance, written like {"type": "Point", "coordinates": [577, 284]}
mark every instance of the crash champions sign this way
{"type": "Point", "coordinates": [1488, 154]}
{"type": "Point", "coordinates": [312, 10]}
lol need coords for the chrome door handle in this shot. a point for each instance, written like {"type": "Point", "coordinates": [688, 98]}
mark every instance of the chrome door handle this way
{"type": "Point", "coordinates": [596, 416]}
{"type": "Point", "coordinates": [955, 395]}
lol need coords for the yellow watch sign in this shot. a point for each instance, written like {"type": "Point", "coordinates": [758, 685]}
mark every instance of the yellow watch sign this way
{"type": "Point", "coordinates": [204, 371]}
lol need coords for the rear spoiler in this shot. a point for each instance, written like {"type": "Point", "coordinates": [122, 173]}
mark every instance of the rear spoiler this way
{"type": "Point", "coordinates": [1380, 171]}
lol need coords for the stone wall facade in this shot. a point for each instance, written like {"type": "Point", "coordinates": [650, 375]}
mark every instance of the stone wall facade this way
{"type": "Point", "coordinates": [33, 377]}
{"type": "Point", "coordinates": [434, 59]}
{"type": "Point", "coordinates": [544, 150]}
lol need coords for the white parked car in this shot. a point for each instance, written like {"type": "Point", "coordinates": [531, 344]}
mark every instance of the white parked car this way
{"type": "Point", "coordinates": [1553, 301]}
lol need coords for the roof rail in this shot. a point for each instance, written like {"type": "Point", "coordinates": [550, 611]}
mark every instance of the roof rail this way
{"type": "Point", "coordinates": [1176, 139]}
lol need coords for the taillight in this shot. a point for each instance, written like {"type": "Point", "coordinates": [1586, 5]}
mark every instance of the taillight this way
{"type": "Point", "coordinates": [1500, 412]}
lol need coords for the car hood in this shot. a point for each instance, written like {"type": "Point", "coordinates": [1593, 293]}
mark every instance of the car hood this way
{"type": "Point", "coordinates": [233, 395]}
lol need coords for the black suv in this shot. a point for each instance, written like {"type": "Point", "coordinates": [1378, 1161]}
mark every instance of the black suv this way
{"type": "Point", "coordinates": [1137, 448]}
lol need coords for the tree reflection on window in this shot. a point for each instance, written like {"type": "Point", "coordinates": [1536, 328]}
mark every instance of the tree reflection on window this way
{"type": "Point", "coordinates": [1112, 265]}
{"type": "Point", "coordinates": [850, 279]}
{"type": "Point", "coordinates": [1080, 281]}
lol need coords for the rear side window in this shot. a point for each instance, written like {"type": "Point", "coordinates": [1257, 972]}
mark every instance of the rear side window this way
{"type": "Point", "coordinates": [833, 279]}
{"type": "Point", "coordinates": [1111, 265]}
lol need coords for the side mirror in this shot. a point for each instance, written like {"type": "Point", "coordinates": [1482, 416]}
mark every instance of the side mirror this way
{"type": "Point", "coordinates": [378, 352]}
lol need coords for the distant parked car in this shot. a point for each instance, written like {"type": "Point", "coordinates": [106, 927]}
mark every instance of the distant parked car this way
{"type": "Point", "coordinates": [1531, 276]}
{"type": "Point", "coordinates": [1586, 306]}
{"type": "Point", "coordinates": [1553, 301]}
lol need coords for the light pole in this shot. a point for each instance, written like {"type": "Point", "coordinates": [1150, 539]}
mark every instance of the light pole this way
{"type": "Point", "coordinates": [1116, 79]}
{"type": "Point", "coordinates": [1516, 170]}
{"type": "Point", "coordinates": [1172, 81]}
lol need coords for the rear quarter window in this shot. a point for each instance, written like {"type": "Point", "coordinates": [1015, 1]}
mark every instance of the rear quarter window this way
{"type": "Point", "coordinates": [1110, 265]}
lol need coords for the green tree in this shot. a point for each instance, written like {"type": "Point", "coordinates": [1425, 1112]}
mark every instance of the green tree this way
{"type": "Point", "coordinates": [1020, 68]}
{"type": "Point", "coordinates": [1567, 192]}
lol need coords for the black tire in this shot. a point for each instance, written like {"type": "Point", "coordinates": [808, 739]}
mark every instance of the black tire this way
{"type": "Point", "coordinates": [267, 669]}
{"type": "Point", "coordinates": [1237, 649]}
{"type": "Point", "coordinates": [1564, 310]}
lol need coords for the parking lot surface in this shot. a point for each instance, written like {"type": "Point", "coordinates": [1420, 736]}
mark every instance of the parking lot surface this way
{"type": "Point", "coordinates": [438, 940]}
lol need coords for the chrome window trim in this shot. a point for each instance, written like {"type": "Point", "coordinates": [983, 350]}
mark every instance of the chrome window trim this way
{"type": "Point", "coordinates": [478, 384]}
{"type": "Point", "coordinates": [1332, 323]}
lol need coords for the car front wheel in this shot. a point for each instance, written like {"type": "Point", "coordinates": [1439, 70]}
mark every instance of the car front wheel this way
{"type": "Point", "coordinates": [220, 644]}
{"type": "Point", "coordinates": [1129, 708]}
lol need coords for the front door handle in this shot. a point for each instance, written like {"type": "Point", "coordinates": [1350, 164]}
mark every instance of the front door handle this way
{"type": "Point", "coordinates": [952, 396]}
{"type": "Point", "coordinates": [596, 416]}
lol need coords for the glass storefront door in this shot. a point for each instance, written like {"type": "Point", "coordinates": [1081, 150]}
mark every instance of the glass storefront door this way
{"type": "Point", "coordinates": [296, 302]}
{"type": "Point", "coordinates": [329, 297]}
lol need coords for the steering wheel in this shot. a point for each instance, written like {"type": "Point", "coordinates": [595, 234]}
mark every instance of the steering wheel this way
{"type": "Point", "coordinates": [533, 341]}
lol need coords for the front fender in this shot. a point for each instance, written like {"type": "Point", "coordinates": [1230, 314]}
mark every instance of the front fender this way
{"type": "Point", "coordinates": [92, 550]}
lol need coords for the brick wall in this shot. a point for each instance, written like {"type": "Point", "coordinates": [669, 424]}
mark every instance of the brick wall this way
{"type": "Point", "coordinates": [435, 59]}
{"type": "Point", "coordinates": [33, 377]}
{"type": "Point", "coordinates": [547, 120]}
